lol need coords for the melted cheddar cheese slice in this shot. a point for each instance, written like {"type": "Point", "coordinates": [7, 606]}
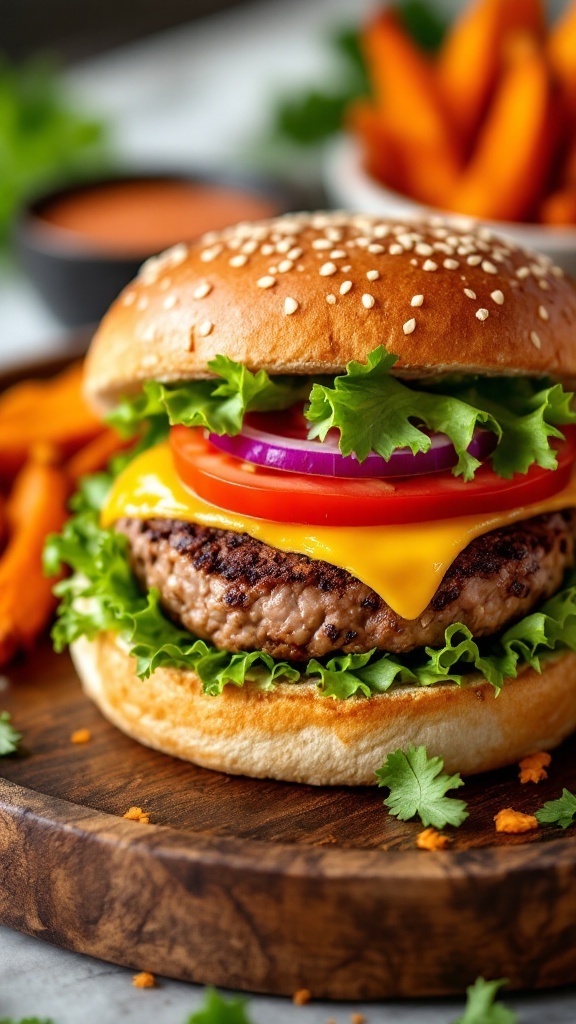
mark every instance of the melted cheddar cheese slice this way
{"type": "Point", "coordinates": [404, 564]}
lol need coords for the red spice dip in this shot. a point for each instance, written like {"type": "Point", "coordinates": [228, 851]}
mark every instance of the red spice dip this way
{"type": "Point", "coordinates": [138, 217]}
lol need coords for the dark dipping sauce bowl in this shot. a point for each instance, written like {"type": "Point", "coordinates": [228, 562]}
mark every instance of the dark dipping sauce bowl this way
{"type": "Point", "coordinates": [82, 244]}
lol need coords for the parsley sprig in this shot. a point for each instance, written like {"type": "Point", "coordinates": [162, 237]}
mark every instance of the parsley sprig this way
{"type": "Point", "coordinates": [217, 1010]}
{"type": "Point", "coordinates": [481, 1005]}
{"type": "Point", "coordinates": [9, 738]}
{"type": "Point", "coordinates": [418, 787]}
{"type": "Point", "coordinates": [559, 812]}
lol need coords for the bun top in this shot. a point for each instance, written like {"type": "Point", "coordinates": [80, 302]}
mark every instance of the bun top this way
{"type": "Point", "coordinates": [306, 293]}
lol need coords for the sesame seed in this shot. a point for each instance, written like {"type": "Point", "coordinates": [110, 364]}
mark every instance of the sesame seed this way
{"type": "Point", "coordinates": [376, 248]}
{"type": "Point", "coordinates": [497, 297]}
{"type": "Point", "coordinates": [423, 249]}
{"type": "Point", "coordinates": [205, 328]}
{"type": "Point", "coordinates": [290, 306]}
{"type": "Point", "coordinates": [129, 298]}
{"type": "Point", "coordinates": [543, 313]}
{"type": "Point", "coordinates": [267, 249]}
{"type": "Point", "coordinates": [295, 253]}
{"type": "Point", "coordinates": [381, 231]}
{"type": "Point", "coordinates": [238, 261]}
{"type": "Point", "coordinates": [165, 284]}
{"type": "Point", "coordinates": [544, 285]}
{"type": "Point", "coordinates": [284, 245]}
{"type": "Point", "coordinates": [334, 234]}
{"type": "Point", "coordinates": [210, 254]}
{"type": "Point", "coordinates": [327, 269]}
{"type": "Point", "coordinates": [557, 271]}
{"type": "Point", "coordinates": [409, 326]}
{"type": "Point", "coordinates": [406, 240]}
{"type": "Point", "coordinates": [345, 287]}
{"type": "Point", "coordinates": [523, 272]}
{"type": "Point", "coordinates": [142, 302]}
{"type": "Point", "coordinates": [469, 293]}
{"type": "Point", "coordinates": [266, 282]}
{"type": "Point", "coordinates": [414, 262]}
{"type": "Point", "coordinates": [338, 254]}
{"type": "Point", "coordinates": [169, 302]}
{"type": "Point", "coordinates": [451, 264]}
{"type": "Point", "coordinates": [482, 314]}
{"type": "Point", "coordinates": [372, 275]}
{"type": "Point", "coordinates": [488, 267]}
{"type": "Point", "coordinates": [429, 265]}
{"type": "Point", "coordinates": [368, 300]}
{"type": "Point", "coordinates": [284, 266]}
{"type": "Point", "coordinates": [202, 290]}
{"type": "Point", "coordinates": [272, 270]}
{"type": "Point", "coordinates": [250, 246]}
{"type": "Point", "coordinates": [396, 250]}
{"type": "Point", "coordinates": [346, 269]}
{"type": "Point", "coordinates": [535, 339]}
{"type": "Point", "coordinates": [321, 243]}
{"type": "Point", "coordinates": [416, 300]}
{"type": "Point", "coordinates": [330, 298]}
{"type": "Point", "coordinates": [474, 260]}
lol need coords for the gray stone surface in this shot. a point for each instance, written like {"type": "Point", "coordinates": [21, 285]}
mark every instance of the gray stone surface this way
{"type": "Point", "coordinates": [38, 979]}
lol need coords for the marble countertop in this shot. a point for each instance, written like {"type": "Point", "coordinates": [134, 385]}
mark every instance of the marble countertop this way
{"type": "Point", "coordinates": [168, 98]}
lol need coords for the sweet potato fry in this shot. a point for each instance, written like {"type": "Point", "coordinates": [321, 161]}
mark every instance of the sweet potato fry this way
{"type": "Point", "coordinates": [512, 158]}
{"type": "Point", "coordinates": [561, 51]}
{"type": "Point", "coordinates": [36, 507]}
{"type": "Point", "coordinates": [408, 100]}
{"type": "Point", "coordinates": [559, 208]}
{"type": "Point", "coordinates": [380, 154]}
{"type": "Point", "coordinates": [52, 411]}
{"type": "Point", "coordinates": [470, 58]}
{"type": "Point", "coordinates": [526, 16]}
{"type": "Point", "coordinates": [95, 455]}
{"type": "Point", "coordinates": [468, 65]}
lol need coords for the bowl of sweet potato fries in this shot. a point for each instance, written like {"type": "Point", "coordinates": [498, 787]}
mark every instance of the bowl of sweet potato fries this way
{"type": "Point", "coordinates": [49, 438]}
{"type": "Point", "coordinates": [485, 127]}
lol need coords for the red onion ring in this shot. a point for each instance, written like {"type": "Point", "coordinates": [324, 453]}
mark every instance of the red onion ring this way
{"type": "Point", "coordinates": [294, 455]}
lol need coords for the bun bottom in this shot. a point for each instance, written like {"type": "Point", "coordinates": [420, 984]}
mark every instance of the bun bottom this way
{"type": "Point", "coordinates": [294, 734]}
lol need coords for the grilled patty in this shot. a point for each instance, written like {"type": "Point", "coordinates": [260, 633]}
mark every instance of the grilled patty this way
{"type": "Point", "coordinates": [244, 595]}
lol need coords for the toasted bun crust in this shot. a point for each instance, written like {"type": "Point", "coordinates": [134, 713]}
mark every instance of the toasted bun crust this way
{"type": "Point", "coordinates": [307, 293]}
{"type": "Point", "coordinates": [293, 733]}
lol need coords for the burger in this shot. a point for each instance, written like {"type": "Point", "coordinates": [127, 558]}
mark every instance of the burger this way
{"type": "Point", "coordinates": [347, 521]}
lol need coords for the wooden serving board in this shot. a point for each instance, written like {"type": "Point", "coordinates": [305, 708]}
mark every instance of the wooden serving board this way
{"type": "Point", "coordinates": [261, 885]}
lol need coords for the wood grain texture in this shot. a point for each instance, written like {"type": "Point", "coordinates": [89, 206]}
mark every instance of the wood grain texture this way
{"type": "Point", "coordinates": [261, 885]}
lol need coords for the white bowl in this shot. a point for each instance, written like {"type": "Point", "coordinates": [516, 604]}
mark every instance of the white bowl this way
{"type": "Point", "coordinates": [349, 187]}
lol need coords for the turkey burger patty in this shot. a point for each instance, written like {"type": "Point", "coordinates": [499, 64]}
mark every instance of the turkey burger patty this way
{"type": "Point", "coordinates": [244, 595]}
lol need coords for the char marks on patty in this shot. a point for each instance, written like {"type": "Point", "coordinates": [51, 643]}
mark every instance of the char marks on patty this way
{"type": "Point", "coordinates": [242, 594]}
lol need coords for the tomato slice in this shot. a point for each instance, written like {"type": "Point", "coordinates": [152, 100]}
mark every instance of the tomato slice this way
{"type": "Point", "coordinates": [324, 501]}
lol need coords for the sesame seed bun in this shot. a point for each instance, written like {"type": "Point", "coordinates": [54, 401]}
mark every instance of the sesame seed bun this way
{"type": "Point", "coordinates": [309, 292]}
{"type": "Point", "coordinates": [295, 734]}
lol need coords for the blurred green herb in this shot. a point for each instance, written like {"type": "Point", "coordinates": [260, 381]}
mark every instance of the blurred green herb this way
{"type": "Point", "coordinates": [423, 22]}
{"type": "Point", "coordinates": [43, 138]}
{"type": "Point", "coordinates": [9, 738]}
{"type": "Point", "coordinates": [217, 1010]}
{"type": "Point", "coordinates": [315, 114]}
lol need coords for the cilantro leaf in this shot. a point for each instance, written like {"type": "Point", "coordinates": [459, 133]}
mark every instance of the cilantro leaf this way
{"type": "Point", "coordinates": [481, 1007]}
{"type": "Point", "coordinates": [418, 787]}
{"type": "Point", "coordinates": [217, 1010]}
{"type": "Point", "coordinates": [9, 738]}
{"type": "Point", "coordinates": [559, 812]}
{"type": "Point", "coordinates": [25, 1020]}
{"type": "Point", "coordinates": [376, 412]}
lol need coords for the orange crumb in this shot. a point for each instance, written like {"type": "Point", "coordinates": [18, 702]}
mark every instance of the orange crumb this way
{"type": "Point", "coordinates": [81, 736]}
{"type": "Point", "coordinates": [357, 1018]}
{"type": "Point", "coordinates": [137, 814]}
{"type": "Point", "coordinates": [533, 768]}
{"type": "Point", "coordinates": [325, 841]}
{"type": "Point", "coordinates": [301, 997]}
{"type": "Point", "coordinates": [431, 839]}
{"type": "Point", "coordinates": [144, 980]}
{"type": "Point", "coordinates": [513, 822]}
